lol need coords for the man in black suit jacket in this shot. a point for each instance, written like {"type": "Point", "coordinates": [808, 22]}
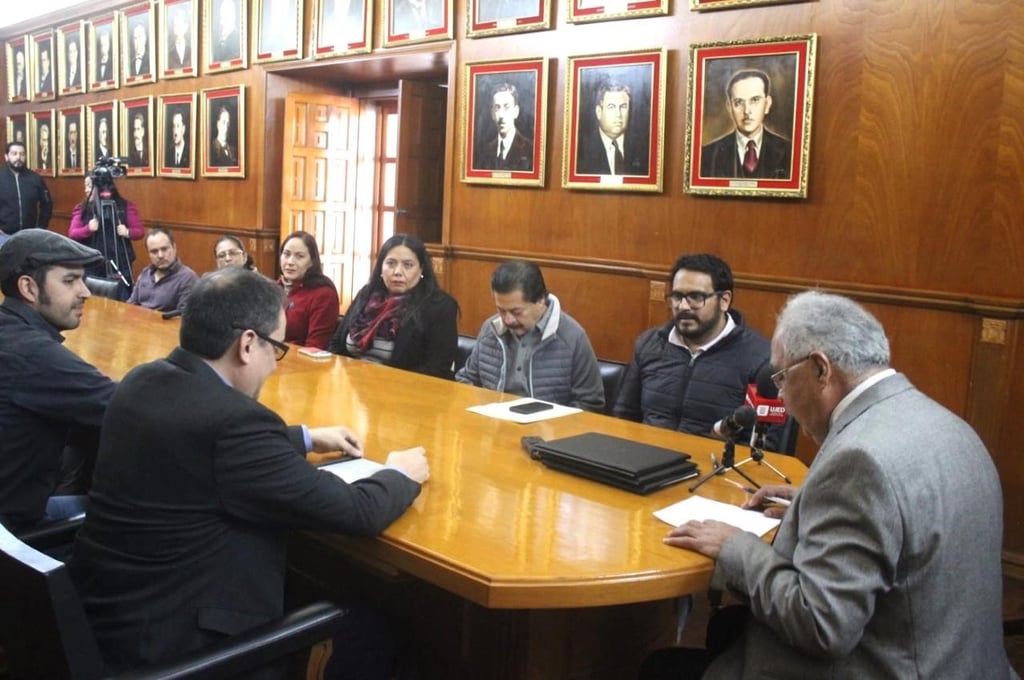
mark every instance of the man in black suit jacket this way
{"type": "Point", "coordinates": [612, 151]}
{"type": "Point", "coordinates": [750, 150]}
{"type": "Point", "coordinates": [74, 63]}
{"type": "Point", "coordinates": [45, 72]}
{"type": "Point", "coordinates": [177, 153]}
{"type": "Point", "coordinates": [139, 61]}
{"type": "Point", "coordinates": [193, 494]}
{"type": "Point", "coordinates": [104, 57]}
{"type": "Point", "coordinates": [510, 149]}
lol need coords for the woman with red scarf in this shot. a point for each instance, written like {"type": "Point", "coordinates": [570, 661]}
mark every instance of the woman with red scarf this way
{"type": "Point", "coordinates": [402, 318]}
{"type": "Point", "coordinates": [312, 307]}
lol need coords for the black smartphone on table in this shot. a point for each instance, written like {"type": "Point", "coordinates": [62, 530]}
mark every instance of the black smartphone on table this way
{"type": "Point", "coordinates": [530, 407]}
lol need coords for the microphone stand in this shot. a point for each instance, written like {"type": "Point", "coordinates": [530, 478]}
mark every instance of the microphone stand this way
{"type": "Point", "coordinates": [728, 463]}
{"type": "Point", "coordinates": [757, 454]}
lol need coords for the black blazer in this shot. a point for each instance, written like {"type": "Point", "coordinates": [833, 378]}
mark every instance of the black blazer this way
{"type": "Point", "coordinates": [519, 156]}
{"type": "Point", "coordinates": [195, 487]}
{"type": "Point", "coordinates": [721, 159]}
{"type": "Point", "coordinates": [427, 345]}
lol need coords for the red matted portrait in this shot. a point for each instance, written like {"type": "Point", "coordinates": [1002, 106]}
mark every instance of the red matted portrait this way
{"type": "Point", "coordinates": [138, 38]}
{"type": "Point", "coordinates": [137, 116]}
{"type": "Point", "coordinates": [17, 129]}
{"type": "Point", "coordinates": [42, 137]}
{"type": "Point", "coordinates": [749, 117]}
{"type": "Point", "coordinates": [416, 21]}
{"type": "Point", "coordinates": [504, 122]}
{"type": "Point", "coordinates": [179, 38]}
{"type": "Point", "coordinates": [277, 30]}
{"type": "Point", "coordinates": [342, 27]}
{"type": "Point", "coordinates": [44, 64]}
{"type": "Point", "coordinates": [71, 58]}
{"type": "Point", "coordinates": [223, 134]}
{"type": "Point", "coordinates": [496, 17]}
{"type": "Point", "coordinates": [225, 39]}
{"type": "Point", "coordinates": [702, 5]}
{"type": "Point", "coordinates": [71, 140]}
{"type": "Point", "coordinates": [19, 86]}
{"type": "Point", "coordinates": [614, 121]}
{"type": "Point", "coordinates": [176, 157]}
{"type": "Point", "coordinates": [581, 11]}
{"type": "Point", "coordinates": [104, 66]}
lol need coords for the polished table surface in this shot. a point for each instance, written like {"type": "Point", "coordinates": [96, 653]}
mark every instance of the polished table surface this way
{"type": "Point", "coordinates": [491, 525]}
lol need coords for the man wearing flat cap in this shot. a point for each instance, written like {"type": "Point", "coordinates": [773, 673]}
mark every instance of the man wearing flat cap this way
{"type": "Point", "coordinates": [49, 393]}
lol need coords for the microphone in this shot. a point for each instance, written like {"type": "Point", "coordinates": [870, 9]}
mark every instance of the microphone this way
{"type": "Point", "coordinates": [173, 314]}
{"type": "Point", "coordinates": [739, 420]}
{"type": "Point", "coordinates": [763, 397]}
{"type": "Point", "coordinates": [119, 274]}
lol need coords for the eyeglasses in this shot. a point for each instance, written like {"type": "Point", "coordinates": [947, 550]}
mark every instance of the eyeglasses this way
{"type": "Point", "coordinates": [228, 254]}
{"type": "Point", "coordinates": [280, 349]}
{"type": "Point", "coordinates": [779, 377]}
{"type": "Point", "coordinates": [695, 299]}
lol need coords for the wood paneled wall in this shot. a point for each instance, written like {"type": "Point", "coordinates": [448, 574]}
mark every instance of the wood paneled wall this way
{"type": "Point", "coordinates": [915, 190]}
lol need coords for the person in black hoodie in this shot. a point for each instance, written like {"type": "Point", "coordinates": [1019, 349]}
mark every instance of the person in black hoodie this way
{"type": "Point", "coordinates": [24, 199]}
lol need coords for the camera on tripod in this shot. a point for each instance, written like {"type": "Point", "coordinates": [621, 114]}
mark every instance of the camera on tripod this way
{"type": "Point", "coordinates": [107, 168]}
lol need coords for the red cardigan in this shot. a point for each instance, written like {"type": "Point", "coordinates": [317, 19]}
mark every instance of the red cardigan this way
{"type": "Point", "coordinates": [312, 315]}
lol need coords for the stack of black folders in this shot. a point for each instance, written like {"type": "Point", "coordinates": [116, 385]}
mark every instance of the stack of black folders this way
{"type": "Point", "coordinates": [640, 468]}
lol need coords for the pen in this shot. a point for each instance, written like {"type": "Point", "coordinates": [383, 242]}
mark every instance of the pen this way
{"type": "Point", "coordinates": [740, 486]}
{"type": "Point", "coordinates": [777, 499]}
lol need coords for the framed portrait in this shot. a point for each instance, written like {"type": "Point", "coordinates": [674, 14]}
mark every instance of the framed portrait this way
{"type": "Point", "coordinates": [278, 30]}
{"type": "Point", "coordinates": [41, 142]}
{"type": "Point", "coordinates": [71, 140]}
{"type": "Point", "coordinates": [225, 44]}
{"type": "Point", "coordinates": [43, 58]}
{"type": "Point", "coordinates": [581, 11]}
{"type": "Point", "coordinates": [179, 43]}
{"type": "Point", "coordinates": [19, 87]}
{"type": "Point", "coordinates": [71, 59]}
{"type": "Point", "coordinates": [702, 5]}
{"type": "Point", "coordinates": [224, 132]}
{"type": "Point", "coordinates": [17, 128]}
{"type": "Point", "coordinates": [138, 38]}
{"type": "Point", "coordinates": [614, 121]}
{"type": "Point", "coordinates": [416, 21]}
{"type": "Point", "coordinates": [101, 119]}
{"type": "Point", "coordinates": [749, 117]}
{"type": "Point", "coordinates": [176, 125]}
{"type": "Point", "coordinates": [342, 27]}
{"type": "Point", "coordinates": [494, 17]}
{"type": "Point", "coordinates": [137, 136]}
{"type": "Point", "coordinates": [504, 122]}
{"type": "Point", "coordinates": [103, 62]}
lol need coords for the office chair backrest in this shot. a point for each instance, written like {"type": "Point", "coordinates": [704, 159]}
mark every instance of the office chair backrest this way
{"type": "Point", "coordinates": [611, 378]}
{"type": "Point", "coordinates": [108, 288]}
{"type": "Point", "coordinates": [787, 439]}
{"type": "Point", "coordinates": [463, 350]}
{"type": "Point", "coordinates": [43, 629]}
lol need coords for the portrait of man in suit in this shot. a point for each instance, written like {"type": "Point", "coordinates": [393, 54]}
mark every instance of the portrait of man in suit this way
{"type": "Point", "coordinates": [72, 144]}
{"type": "Point", "coordinates": [44, 68]}
{"type": "Point", "coordinates": [612, 147]}
{"type": "Point", "coordinates": [224, 145]}
{"type": "Point", "coordinates": [416, 16]}
{"type": "Point", "coordinates": [750, 150]}
{"type": "Point", "coordinates": [20, 88]}
{"type": "Point", "coordinates": [18, 129]}
{"type": "Point", "coordinates": [496, 10]}
{"type": "Point", "coordinates": [102, 136]}
{"type": "Point", "coordinates": [44, 150]}
{"type": "Point", "coordinates": [179, 47]}
{"type": "Point", "coordinates": [73, 63]}
{"type": "Point", "coordinates": [343, 22]}
{"type": "Point", "coordinates": [138, 151]}
{"type": "Point", "coordinates": [176, 136]}
{"type": "Point", "coordinates": [507, 148]}
{"type": "Point", "coordinates": [226, 41]}
{"type": "Point", "coordinates": [139, 62]}
{"type": "Point", "coordinates": [104, 55]}
{"type": "Point", "coordinates": [278, 26]}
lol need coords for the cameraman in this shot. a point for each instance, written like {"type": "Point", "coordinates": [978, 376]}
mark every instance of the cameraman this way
{"type": "Point", "coordinates": [104, 220]}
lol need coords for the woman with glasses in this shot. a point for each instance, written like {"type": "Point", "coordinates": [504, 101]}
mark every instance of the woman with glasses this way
{"type": "Point", "coordinates": [312, 307]}
{"type": "Point", "coordinates": [230, 252]}
{"type": "Point", "coordinates": [402, 318]}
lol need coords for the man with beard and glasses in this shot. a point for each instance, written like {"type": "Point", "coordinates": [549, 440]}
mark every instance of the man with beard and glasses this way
{"type": "Point", "coordinates": [49, 393]}
{"type": "Point", "coordinates": [693, 371]}
{"type": "Point", "coordinates": [24, 199]}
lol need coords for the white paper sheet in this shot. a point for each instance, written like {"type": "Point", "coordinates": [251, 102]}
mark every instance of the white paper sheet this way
{"type": "Point", "coordinates": [353, 469]}
{"type": "Point", "coordinates": [500, 410]}
{"type": "Point", "coordinates": [700, 508]}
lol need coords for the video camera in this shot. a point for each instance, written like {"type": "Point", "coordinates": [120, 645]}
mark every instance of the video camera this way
{"type": "Point", "coordinates": [107, 168]}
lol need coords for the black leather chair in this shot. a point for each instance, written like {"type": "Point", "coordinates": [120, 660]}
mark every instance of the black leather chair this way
{"type": "Point", "coordinates": [611, 377]}
{"type": "Point", "coordinates": [787, 440]}
{"type": "Point", "coordinates": [45, 634]}
{"type": "Point", "coordinates": [108, 288]}
{"type": "Point", "coordinates": [464, 349]}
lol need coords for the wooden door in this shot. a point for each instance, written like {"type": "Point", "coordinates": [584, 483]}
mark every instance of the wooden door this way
{"type": "Point", "coordinates": [319, 179]}
{"type": "Point", "coordinates": [419, 189]}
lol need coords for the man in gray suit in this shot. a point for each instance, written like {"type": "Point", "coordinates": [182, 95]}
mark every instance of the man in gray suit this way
{"type": "Point", "coordinates": [887, 562]}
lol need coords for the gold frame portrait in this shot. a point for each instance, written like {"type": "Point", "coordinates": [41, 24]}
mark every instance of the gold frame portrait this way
{"type": "Point", "coordinates": [13, 128]}
{"type": "Point", "coordinates": [640, 75]}
{"type": "Point", "coordinates": [524, 82]}
{"type": "Point", "coordinates": [11, 50]}
{"type": "Point", "coordinates": [779, 167]}
{"type": "Point", "coordinates": [39, 41]}
{"type": "Point", "coordinates": [585, 11]}
{"type": "Point", "coordinates": [355, 29]}
{"type": "Point", "coordinates": [130, 108]}
{"type": "Point", "coordinates": [404, 25]}
{"type": "Point", "coordinates": [706, 5]}
{"type": "Point", "coordinates": [174, 64]}
{"type": "Point", "coordinates": [230, 52]}
{"type": "Point", "coordinates": [40, 117]}
{"type": "Point", "coordinates": [73, 33]}
{"type": "Point", "coordinates": [223, 158]}
{"type": "Point", "coordinates": [99, 26]}
{"type": "Point", "coordinates": [168, 106]}
{"type": "Point", "coordinates": [94, 114]}
{"type": "Point", "coordinates": [140, 15]}
{"type": "Point", "coordinates": [286, 41]}
{"type": "Point", "coordinates": [484, 18]}
{"type": "Point", "coordinates": [65, 116]}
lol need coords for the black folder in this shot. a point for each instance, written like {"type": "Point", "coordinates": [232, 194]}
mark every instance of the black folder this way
{"type": "Point", "coordinates": [636, 467]}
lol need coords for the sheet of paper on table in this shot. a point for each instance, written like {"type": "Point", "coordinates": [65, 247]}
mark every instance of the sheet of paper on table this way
{"type": "Point", "coordinates": [500, 410]}
{"type": "Point", "coordinates": [353, 469]}
{"type": "Point", "coordinates": [700, 508]}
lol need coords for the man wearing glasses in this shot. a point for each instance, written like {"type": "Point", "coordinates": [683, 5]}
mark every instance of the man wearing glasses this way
{"type": "Point", "coordinates": [693, 371]}
{"type": "Point", "coordinates": [193, 498]}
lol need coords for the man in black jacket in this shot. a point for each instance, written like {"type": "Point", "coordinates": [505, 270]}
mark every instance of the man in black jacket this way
{"type": "Point", "coordinates": [24, 199]}
{"type": "Point", "coordinates": [694, 370]}
{"type": "Point", "coordinates": [193, 492]}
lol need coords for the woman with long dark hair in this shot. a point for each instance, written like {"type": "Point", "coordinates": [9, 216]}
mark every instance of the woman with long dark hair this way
{"type": "Point", "coordinates": [402, 318]}
{"type": "Point", "coordinates": [312, 308]}
{"type": "Point", "coordinates": [108, 222]}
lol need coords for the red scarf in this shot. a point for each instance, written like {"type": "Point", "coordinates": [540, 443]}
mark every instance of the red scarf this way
{"type": "Point", "coordinates": [380, 318]}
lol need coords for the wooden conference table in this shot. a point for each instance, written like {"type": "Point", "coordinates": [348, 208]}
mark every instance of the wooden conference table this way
{"type": "Point", "coordinates": [532, 573]}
